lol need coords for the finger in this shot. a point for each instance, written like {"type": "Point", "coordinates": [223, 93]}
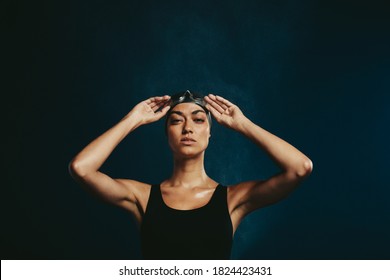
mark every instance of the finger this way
{"type": "Point", "coordinates": [225, 101]}
{"type": "Point", "coordinates": [215, 105]}
{"type": "Point", "coordinates": [164, 110]}
{"type": "Point", "coordinates": [154, 105]}
{"type": "Point", "coordinates": [157, 104]}
{"type": "Point", "coordinates": [157, 99]}
{"type": "Point", "coordinates": [161, 107]}
{"type": "Point", "coordinates": [160, 102]}
{"type": "Point", "coordinates": [219, 102]}
{"type": "Point", "coordinates": [213, 111]}
{"type": "Point", "coordinates": [151, 100]}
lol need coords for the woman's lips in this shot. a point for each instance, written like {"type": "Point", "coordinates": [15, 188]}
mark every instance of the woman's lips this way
{"type": "Point", "coordinates": [187, 141]}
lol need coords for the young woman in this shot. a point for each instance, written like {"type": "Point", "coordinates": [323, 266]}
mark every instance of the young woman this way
{"type": "Point", "coordinates": [189, 215]}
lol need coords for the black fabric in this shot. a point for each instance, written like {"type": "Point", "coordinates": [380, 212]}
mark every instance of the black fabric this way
{"type": "Point", "coordinates": [202, 233]}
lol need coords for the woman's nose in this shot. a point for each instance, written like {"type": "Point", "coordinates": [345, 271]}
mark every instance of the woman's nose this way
{"type": "Point", "coordinates": [187, 129]}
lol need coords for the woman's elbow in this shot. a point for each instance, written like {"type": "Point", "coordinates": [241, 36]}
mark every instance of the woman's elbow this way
{"type": "Point", "coordinates": [75, 169]}
{"type": "Point", "coordinates": [306, 167]}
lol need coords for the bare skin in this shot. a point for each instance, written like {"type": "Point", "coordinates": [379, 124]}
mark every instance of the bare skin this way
{"type": "Point", "coordinates": [189, 186]}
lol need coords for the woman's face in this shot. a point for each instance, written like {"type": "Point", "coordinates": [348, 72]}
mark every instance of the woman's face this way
{"type": "Point", "coordinates": [188, 130]}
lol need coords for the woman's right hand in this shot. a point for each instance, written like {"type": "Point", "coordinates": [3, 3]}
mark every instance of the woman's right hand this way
{"type": "Point", "coordinates": [151, 110]}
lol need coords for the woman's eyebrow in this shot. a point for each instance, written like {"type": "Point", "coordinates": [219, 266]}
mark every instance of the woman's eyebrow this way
{"type": "Point", "coordinates": [176, 112]}
{"type": "Point", "coordinates": [198, 111]}
{"type": "Point", "coordinates": [193, 113]}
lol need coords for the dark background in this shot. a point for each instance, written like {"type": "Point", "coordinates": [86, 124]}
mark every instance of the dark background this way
{"type": "Point", "coordinates": [315, 73]}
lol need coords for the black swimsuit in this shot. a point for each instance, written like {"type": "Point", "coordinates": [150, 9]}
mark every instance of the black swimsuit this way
{"type": "Point", "coordinates": [202, 233]}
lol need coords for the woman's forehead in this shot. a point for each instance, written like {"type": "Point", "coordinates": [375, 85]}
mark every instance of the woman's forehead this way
{"type": "Point", "coordinates": [188, 108]}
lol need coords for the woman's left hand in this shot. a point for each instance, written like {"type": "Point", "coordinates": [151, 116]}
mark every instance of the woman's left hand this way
{"type": "Point", "coordinates": [225, 112]}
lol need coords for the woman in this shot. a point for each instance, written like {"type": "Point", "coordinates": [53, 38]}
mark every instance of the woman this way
{"type": "Point", "coordinates": [189, 215]}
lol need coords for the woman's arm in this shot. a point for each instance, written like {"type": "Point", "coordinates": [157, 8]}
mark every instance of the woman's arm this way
{"type": "Point", "coordinates": [85, 166]}
{"type": "Point", "coordinates": [295, 166]}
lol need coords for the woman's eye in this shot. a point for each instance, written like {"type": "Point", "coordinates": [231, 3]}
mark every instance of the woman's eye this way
{"type": "Point", "coordinates": [199, 120]}
{"type": "Point", "coordinates": [175, 121]}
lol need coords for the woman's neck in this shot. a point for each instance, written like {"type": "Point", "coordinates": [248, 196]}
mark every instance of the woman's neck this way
{"type": "Point", "coordinates": [189, 173]}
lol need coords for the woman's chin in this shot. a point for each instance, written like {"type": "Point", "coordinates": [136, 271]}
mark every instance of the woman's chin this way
{"type": "Point", "coordinates": [188, 154]}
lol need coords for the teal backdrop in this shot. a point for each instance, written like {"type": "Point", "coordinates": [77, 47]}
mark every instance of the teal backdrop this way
{"type": "Point", "coordinates": [315, 73]}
